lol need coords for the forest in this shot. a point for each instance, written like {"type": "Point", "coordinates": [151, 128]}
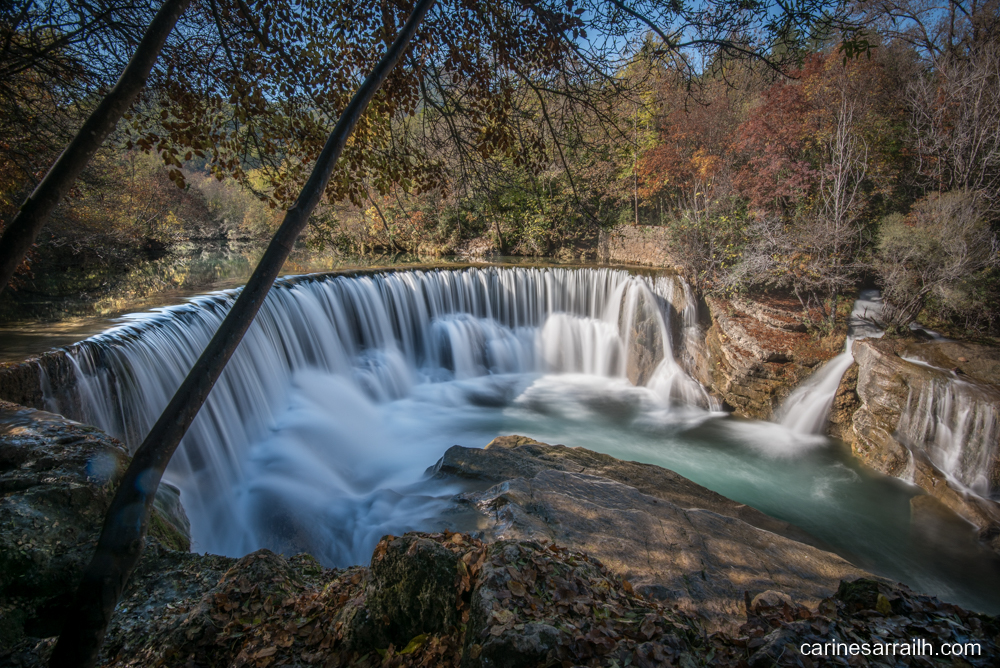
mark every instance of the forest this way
{"type": "Point", "coordinates": [835, 147]}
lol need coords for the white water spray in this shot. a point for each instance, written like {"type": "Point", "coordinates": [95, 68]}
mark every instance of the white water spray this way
{"type": "Point", "coordinates": [345, 389]}
{"type": "Point", "coordinates": [807, 409]}
{"type": "Point", "coordinates": [956, 423]}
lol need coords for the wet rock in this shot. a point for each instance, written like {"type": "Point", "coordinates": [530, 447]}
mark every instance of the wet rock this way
{"type": "Point", "coordinates": [984, 514]}
{"type": "Point", "coordinates": [760, 350]}
{"type": "Point", "coordinates": [22, 383]}
{"type": "Point", "coordinates": [845, 404]}
{"type": "Point", "coordinates": [645, 348]}
{"type": "Point", "coordinates": [57, 478]}
{"type": "Point", "coordinates": [971, 360]}
{"type": "Point", "coordinates": [694, 558]}
{"type": "Point", "coordinates": [883, 436]}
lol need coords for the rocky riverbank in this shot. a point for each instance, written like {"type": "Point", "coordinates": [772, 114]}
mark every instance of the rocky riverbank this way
{"type": "Point", "coordinates": [758, 351]}
{"type": "Point", "coordinates": [910, 409]}
{"type": "Point", "coordinates": [675, 541]}
{"type": "Point", "coordinates": [562, 574]}
{"type": "Point", "coordinates": [57, 478]}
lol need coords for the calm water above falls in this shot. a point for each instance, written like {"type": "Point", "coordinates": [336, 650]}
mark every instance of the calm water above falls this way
{"type": "Point", "coordinates": [346, 390]}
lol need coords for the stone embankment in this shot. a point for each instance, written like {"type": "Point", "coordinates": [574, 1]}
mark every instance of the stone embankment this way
{"type": "Point", "coordinates": [909, 409]}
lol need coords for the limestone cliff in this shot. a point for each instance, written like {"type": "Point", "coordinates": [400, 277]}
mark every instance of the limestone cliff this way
{"type": "Point", "coordinates": [927, 412]}
{"type": "Point", "coordinates": [759, 351]}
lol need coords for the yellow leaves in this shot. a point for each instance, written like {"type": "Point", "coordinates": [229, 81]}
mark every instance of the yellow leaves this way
{"type": "Point", "coordinates": [415, 644]}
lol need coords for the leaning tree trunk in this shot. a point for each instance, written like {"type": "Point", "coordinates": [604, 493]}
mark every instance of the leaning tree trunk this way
{"type": "Point", "coordinates": [27, 223]}
{"type": "Point", "coordinates": [124, 531]}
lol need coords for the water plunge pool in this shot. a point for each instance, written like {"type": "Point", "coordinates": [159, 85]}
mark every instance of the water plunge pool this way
{"type": "Point", "coordinates": [320, 432]}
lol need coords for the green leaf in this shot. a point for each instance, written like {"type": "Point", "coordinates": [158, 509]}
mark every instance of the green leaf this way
{"type": "Point", "coordinates": [414, 644]}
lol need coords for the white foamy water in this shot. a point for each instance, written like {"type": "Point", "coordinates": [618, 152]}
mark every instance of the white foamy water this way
{"type": "Point", "coordinates": [956, 423]}
{"type": "Point", "coordinates": [807, 408]}
{"type": "Point", "coordinates": [346, 389]}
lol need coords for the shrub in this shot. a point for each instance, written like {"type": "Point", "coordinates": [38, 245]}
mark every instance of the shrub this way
{"type": "Point", "coordinates": [933, 256]}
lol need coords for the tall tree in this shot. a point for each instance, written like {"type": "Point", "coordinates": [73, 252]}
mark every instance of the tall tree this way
{"type": "Point", "coordinates": [124, 531]}
{"type": "Point", "coordinates": [20, 234]}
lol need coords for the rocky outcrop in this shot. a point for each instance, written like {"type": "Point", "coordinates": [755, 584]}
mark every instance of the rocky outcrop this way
{"type": "Point", "coordinates": [759, 351]}
{"type": "Point", "coordinates": [916, 407]}
{"type": "Point", "coordinates": [510, 604]}
{"type": "Point", "coordinates": [672, 539]}
{"type": "Point", "coordinates": [512, 457]}
{"type": "Point", "coordinates": [57, 478]}
{"type": "Point", "coordinates": [451, 599]}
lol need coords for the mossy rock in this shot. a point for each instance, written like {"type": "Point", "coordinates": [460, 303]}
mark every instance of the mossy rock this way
{"type": "Point", "coordinates": [412, 590]}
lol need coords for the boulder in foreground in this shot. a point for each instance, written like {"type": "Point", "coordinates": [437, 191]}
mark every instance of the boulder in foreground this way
{"type": "Point", "coordinates": [671, 538]}
{"type": "Point", "coordinates": [510, 604]}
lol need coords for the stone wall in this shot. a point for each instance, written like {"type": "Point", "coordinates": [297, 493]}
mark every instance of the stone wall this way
{"type": "Point", "coordinates": [639, 245]}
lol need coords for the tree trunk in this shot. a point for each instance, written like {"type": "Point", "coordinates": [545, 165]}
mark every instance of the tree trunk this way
{"type": "Point", "coordinates": [24, 228]}
{"type": "Point", "coordinates": [124, 530]}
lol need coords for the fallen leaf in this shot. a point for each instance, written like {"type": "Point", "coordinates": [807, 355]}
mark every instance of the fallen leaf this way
{"type": "Point", "coordinates": [517, 589]}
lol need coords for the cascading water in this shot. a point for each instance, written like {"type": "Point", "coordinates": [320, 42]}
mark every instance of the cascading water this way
{"type": "Point", "coordinates": [956, 423]}
{"type": "Point", "coordinates": [293, 449]}
{"type": "Point", "coordinates": [345, 390]}
{"type": "Point", "coordinates": [807, 408]}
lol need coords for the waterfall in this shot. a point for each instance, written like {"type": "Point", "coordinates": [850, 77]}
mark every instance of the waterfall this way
{"type": "Point", "coordinates": [295, 449]}
{"type": "Point", "coordinates": [807, 408]}
{"type": "Point", "coordinates": [956, 423]}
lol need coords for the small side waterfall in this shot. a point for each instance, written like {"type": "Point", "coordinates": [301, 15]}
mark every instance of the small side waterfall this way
{"type": "Point", "coordinates": [294, 449]}
{"type": "Point", "coordinates": [807, 408]}
{"type": "Point", "coordinates": [956, 423]}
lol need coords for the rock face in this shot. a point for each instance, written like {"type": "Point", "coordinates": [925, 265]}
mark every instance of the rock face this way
{"type": "Point", "coordinates": [915, 415]}
{"type": "Point", "coordinates": [672, 539]}
{"type": "Point", "coordinates": [57, 479]}
{"type": "Point", "coordinates": [21, 383]}
{"type": "Point", "coordinates": [759, 351]}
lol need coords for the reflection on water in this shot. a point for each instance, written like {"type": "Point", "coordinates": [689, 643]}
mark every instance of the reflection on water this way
{"type": "Point", "coordinates": [34, 320]}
